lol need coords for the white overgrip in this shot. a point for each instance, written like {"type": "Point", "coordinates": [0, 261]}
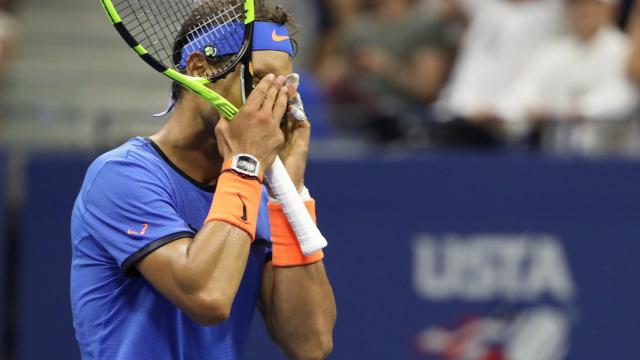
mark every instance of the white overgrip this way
{"type": "Point", "coordinates": [308, 234]}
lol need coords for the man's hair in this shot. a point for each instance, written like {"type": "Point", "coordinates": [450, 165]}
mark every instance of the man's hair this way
{"type": "Point", "coordinates": [264, 10]}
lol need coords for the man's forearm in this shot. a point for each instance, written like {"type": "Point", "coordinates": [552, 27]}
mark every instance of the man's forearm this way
{"type": "Point", "coordinates": [300, 310]}
{"type": "Point", "coordinates": [216, 259]}
{"type": "Point", "coordinates": [201, 275]}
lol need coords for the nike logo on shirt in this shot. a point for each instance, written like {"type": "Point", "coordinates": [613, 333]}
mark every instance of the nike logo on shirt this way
{"type": "Point", "coordinates": [142, 232]}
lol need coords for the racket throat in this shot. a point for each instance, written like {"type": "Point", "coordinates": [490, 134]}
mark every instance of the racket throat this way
{"type": "Point", "coordinates": [246, 79]}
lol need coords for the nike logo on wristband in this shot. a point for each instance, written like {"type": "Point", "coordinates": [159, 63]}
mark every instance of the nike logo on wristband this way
{"type": "Point", "coordinates": [244, 210]}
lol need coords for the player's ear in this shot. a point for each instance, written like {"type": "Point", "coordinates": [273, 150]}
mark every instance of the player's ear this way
{"type": "Point", "coordinates": [197, 65]}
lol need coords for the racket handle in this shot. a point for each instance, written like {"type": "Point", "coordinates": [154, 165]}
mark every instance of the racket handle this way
{"type": "Point", "coordinates": [308, 234]}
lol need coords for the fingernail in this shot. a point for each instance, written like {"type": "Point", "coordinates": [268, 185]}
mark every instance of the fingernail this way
{"type": "Point", "coordinates": [270, 77]}
{"type": "Point", "coordinates": [282, 79]}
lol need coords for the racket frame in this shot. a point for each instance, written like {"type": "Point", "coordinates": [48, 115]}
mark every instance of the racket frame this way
{"type": "Point", "coordinates": [196, 84]}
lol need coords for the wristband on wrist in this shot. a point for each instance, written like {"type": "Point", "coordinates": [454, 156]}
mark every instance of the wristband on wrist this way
{"type": "Point", "coordinates": [286, 248]}
{"type": "Point", "coordinates": [236, 201]}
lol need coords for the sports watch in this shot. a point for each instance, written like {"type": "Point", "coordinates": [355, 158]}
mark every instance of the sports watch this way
{"type": "Point", "coordinates": [246, 165]}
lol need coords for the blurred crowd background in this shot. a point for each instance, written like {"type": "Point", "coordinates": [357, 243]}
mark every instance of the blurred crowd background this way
{"type": "Point", "coordinates": [557, 76]}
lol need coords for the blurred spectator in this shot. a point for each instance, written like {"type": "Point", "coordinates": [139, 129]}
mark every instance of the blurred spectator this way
{"type": "Point", "coordinates": [468, 8]}
{"type": "Point", "coordinates": [344, 12]}
{"type": "Point", "coordinates": [339, 16]}
{"type": "Point", "coordinates": [634, 32]}
{"type": "Point", "coordinates": [307, 15]}
{"type": "Point", "coordinates": [7, 37]}
{"type": "Point", "coordinates": [580, 77]}
{"type": "Point", "coordinates": [500, 40]}
{"type": "Point", "coordinates": [387, 62]}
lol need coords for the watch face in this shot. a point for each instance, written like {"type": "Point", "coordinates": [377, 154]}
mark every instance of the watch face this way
{"type": "Point", "coordinates": [247, 164]}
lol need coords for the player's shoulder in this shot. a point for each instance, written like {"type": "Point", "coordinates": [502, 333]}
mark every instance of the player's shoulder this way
{"type": "Point", "coordinates": [136, 151]}
{"type": "Point", "coordinates": [135, 160]}
{"type": "Point", "coordinates": [128, 173]}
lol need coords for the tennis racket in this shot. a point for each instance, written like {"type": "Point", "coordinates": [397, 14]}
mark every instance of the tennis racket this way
{"type": "Point", "coordinates": [152, 28]}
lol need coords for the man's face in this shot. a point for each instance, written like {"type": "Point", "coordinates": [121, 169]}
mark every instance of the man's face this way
{"type": "Point", "coordinates": [264, 63]}
{"type": "Point", "coordinates": [587, 17]}
{"type": "Point", "coordinates": [271, 62]}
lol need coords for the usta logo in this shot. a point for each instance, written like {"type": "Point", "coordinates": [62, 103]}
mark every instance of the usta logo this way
{"type": "Point", "coordinates": [491, 267]}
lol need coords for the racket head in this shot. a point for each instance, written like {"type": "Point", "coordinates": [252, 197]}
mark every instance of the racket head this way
{"type": "Point", "coordinates": [166, 32]}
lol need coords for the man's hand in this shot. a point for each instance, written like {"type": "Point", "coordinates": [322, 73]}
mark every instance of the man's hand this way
{"type": "Point", "coordinates": [254, 130]}
{"type": "Point", "coordinates": [297, 137]}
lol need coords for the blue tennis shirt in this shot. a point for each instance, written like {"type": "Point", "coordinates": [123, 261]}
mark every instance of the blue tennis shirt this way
{"type": "Point", "coordinates": [133, 201]}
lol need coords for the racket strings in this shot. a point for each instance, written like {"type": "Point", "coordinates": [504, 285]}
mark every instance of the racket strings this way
{"type": "Point", "coordinates": [157, 24]}
{"type": "Point", "coordinates": [231, 15]}
{"type": "Point", "coordinates": [221, 26]}
{"type": "Point", "coordinates": [165, 20]}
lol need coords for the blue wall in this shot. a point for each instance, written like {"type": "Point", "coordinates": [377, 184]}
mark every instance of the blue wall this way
{"type": "Point", "coordinates": [576, 219]}
{"type": "Point", "coordinates": [45, 325]}
{"type": "Point", "coordinates": [422, 251]}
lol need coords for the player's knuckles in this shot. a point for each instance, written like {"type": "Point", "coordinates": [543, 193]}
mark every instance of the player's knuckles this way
{"type": "Point", "coordinates": [279, 82]}
{"type": "Point", "coordinates": [263, 116]}
{"type": "Point", "coordinates": [266, 81]}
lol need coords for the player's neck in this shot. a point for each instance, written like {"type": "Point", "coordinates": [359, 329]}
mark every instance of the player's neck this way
{"type": "Point", "coordinates": [189, 142]}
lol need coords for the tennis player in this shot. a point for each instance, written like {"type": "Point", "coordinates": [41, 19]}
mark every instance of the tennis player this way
{"type": "Point", "coordinates": [175, 238]}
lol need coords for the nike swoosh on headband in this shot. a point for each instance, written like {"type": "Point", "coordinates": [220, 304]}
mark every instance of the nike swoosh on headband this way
{"type": "Point", "coordinates": [279, 38]}
{"type": "Point", "coordinates": [225, 40]}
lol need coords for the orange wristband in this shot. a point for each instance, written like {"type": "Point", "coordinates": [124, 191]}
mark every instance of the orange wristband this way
{"type": "Point", "coordinates": [236, 202]}
{"type": "Point", "coordinates": [286, 249]}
